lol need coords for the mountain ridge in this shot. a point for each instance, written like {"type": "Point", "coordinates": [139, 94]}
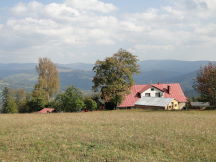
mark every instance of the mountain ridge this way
{"type": "Point", "coordinates": [18, 75]}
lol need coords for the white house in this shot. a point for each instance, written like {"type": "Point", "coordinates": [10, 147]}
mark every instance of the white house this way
{"type": "Point", "coordinates": [160, 96]}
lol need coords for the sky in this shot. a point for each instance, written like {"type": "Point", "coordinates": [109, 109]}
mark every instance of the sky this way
{"type": "Point", "coordinates": [70, 31]}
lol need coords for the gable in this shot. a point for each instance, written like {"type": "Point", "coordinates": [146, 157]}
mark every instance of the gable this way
{"type": "Point", "coordinates": [152, 92]}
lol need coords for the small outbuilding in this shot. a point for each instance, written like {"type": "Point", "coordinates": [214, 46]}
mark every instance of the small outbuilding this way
{"type": "Point", "coordinates": [46, 110]}
{"type": "Point", "coordinates": [200, 105]}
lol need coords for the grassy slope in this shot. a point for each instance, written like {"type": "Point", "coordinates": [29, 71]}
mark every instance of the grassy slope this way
{"type": "Point", "coordinates": [109, 136]}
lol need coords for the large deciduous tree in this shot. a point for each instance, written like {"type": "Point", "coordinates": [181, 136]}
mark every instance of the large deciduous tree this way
{"type": "Point", "coordinates": [205, 83]}
{"type": "Point", "coordinates": [114, 76]}
{"type": "Point", "coordinates": [48, 79]}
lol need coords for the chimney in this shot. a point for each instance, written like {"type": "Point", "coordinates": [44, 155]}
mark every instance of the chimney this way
{"type": "Point", "coordinates": [168, 88]}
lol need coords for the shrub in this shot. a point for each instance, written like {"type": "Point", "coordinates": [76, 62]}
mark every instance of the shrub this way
{"type": "Point", "coordinates": [90, 105]}
{"type": "Point", "coordinates": [36, 104]}
{"type": "Point", "coordinates": [70, 101]}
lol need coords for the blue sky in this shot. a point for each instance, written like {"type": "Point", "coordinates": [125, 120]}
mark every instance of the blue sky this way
{"type": "Point", "coordinates": [86, 30]}
{"type": "Point", "coordinates": [132, 5]}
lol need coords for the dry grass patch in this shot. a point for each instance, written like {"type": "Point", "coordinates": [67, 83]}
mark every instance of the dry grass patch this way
{"type": "Point", "coordinates": [109, 136]}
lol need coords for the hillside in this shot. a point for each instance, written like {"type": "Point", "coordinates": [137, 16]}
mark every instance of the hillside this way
{"type": "Point", "coordinates": [80, 74]}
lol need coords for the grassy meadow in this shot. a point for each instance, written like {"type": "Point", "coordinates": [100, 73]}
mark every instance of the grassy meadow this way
{"type": "Point", "coordinates": [135, 135]}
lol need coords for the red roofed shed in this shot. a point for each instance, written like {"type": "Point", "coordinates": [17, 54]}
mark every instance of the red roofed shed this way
{"type": "Point", "coordinates": [46, 110]}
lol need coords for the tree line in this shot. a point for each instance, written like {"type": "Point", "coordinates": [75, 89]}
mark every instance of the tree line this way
{"type": "Point", "coordinates": [112, 81]}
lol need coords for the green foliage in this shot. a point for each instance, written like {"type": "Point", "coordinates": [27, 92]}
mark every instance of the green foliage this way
{"type": "Point", "coordinates": [23, 107]}
{"type": "Point", "coordinates": [114, 76]}
{"type": "Point", "coordinates": [9, 104]}
{"type": "Point", "coordinates": [79, 104]}
{"type": "Point", "coordinates": [37, 101]}
{"type": "Point", "coordinates": [98, 100]}
{"type": "Point", "coordinates": [70, 101]}
{"type": "Point", "coordinates": [90, 105]}
{"type": "Point", "coordinates": [36, 104]}
{"type": "Point", "coordinates": [206, 83]}
{"type": "Point", "coordinates": [21, 97]}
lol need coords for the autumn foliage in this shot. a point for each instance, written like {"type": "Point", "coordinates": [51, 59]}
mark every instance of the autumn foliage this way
{"type": "Point", "coordinates": [206, 83]}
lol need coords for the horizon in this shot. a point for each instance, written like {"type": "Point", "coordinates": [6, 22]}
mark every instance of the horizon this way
{"type": "Point", "coordinates": [93, 63]}
{"type": "Point", "coordinates": [74, 31]}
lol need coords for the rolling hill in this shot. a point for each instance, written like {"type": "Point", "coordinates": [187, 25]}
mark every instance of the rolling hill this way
{"type": "Point", "coordinates": [80, 74]}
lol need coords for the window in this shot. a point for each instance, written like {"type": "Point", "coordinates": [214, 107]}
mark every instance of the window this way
{"type": "Point", "coordinates": [147, 95]}
{"type": "Point", "coordinates": [139, 95]}
{"type": "Point", "coordinates": [157, 94]}
{"type": "Point", "coordinates": [176, 105]}
{"type": "Point", "coordinates": [152, 89]}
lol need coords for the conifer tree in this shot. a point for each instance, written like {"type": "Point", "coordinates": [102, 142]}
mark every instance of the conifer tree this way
{"type": "Point", "coordinates": [9, 104]}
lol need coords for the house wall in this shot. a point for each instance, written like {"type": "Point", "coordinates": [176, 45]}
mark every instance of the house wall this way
{"type": "Point", "coordinates": [182, 105]}
{"type": "Point", "coordinates": [152, 93]}
{"type": "Point", "coordinates": [174, 105]}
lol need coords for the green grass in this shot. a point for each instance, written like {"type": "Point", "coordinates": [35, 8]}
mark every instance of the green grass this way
{"type": "Point", "coordinates": [109, 136]}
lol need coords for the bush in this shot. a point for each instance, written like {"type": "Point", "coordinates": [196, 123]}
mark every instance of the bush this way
{"type": "Point", "coordinates": [90, 105]}
{"type": "Point", "coordinates": [36, 104]}
{"type": "Point", "coordinates": [23, 107]}
{"type": "Point", "coordinates": [79, 105]}
{"type": "Point", "coordinates": [70, 101]}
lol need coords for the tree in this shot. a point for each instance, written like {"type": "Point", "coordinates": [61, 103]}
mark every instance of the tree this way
{"type": "Point", "coordinates": [114, 76]}
{"type": "Point", "coordinates": [205, 83]}
{"type": "Point", "coordinates": [37, 101]}
{"type": "Point", "coordinates": [35, 104]}
{"type": "Point", "coordinates": [21, 97]}
{"type": "Point", "coordinates": [90, 104]}
{"type": "Point", "coordinates": [9, 104]}
{"type": "Point", "coordinates": [70, 101]}
{"type": "Point", "coordinates": [48, 79]}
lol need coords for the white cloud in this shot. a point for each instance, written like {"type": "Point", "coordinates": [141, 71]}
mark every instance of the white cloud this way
{"type": "Point", "coordinates": [83, 31]}
{"type": "Point", "coordinates": [91, 5]}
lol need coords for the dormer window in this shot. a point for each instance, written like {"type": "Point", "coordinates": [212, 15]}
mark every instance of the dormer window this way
{"type": "Point", "coordinates": [147, 95]}
{"type": "Point", "coordinates": [139, 95]}
{"type": "Point", "coordinates": [152, 89]}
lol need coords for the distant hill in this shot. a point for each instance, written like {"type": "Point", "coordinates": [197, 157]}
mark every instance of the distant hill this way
{"type": "Point", "coordinates": [172, 65]}
{"type": "Point", "coordinates": [80, 74]}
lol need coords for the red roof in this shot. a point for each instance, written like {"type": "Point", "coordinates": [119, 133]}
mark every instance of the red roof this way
{"type": "Point", "coordinates": [175, 92]}
{"type": "Point", "coordinates": [46, 110]}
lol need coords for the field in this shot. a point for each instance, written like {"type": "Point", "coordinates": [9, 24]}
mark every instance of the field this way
{"type": "Point", "coordinates": [109, 136]}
